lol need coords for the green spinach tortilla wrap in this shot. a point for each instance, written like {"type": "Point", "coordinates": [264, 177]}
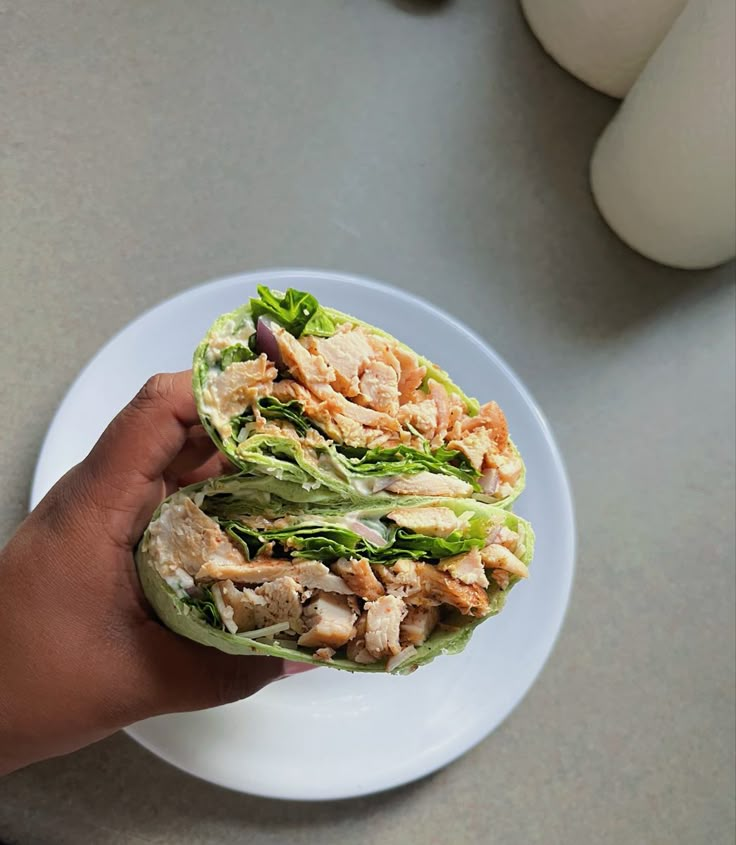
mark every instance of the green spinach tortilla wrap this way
{"type": "Point", "coordinates": [383, 588]}
{"type": "Point", "coordinates": [336, 410]}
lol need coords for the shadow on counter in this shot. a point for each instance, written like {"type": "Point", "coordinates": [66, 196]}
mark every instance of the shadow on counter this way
{"type": "Point", "coordinates": [532, 198]}
{"type": "Point", "coordinates": [421, 7]}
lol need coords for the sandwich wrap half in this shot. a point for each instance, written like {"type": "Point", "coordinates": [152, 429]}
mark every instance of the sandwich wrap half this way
{"type": "Point", "coordinates": [385, 588]}
{"type": "Point", "coordinates": [326, 408]}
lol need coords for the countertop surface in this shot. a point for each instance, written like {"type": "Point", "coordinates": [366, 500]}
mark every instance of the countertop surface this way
{"type": "Point", "coordinates": [148, 147]}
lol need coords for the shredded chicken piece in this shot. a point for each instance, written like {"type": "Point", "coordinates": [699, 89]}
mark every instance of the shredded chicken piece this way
{"type": "Point", "coordinates": [475, 446]}
{"type": "Point", "coordinates": [288, 390]}
{"type": "Point", "coordinates": [421, 415]}
{"type": "Point", "coordinates": [383, 620]}
{"type": "Point", "coordinates": [417, 625]}
{"type": "Point", "coordinates": [509, 470]}
{"type": "Point", "coordinates": [347, 352]}
{"type": "Point", "coordinates": [223, 595]}
{"type": "Point", "coordinates": [384, 350]}
{"type": "Point", "coordinates": [430, 484]}
{"type": "Point", "coordinates": [432, 521]}
{"type": "Point", "coordinates": [351, 432]}
{"type": "Point", "coordinates": [496, 556]}
{"type": "Point", "coordinates": [227, 600]}
{"type": "Point", "coordinates": [234, 389]}
{"type": "Point", "coordinates": [438, 395]}
{"type": "Point", "coordinates": [401, 579]}
{"type": "Point", "coordinates": [330, 619]}
{"type": "Point", "coordinates": [458, 412]}
{"type": "Point", "coordinates": [490, 416]}
{"type": "Point", "coordinates": [412, 374]}
{"type": "Point", "coordinates": [467, 567]}
{"type": "Point", "coordinates": [312, 370]}
{"type": "Point", "coordinates": [307, 367]}
{"type": "Point", "coordinates": [283, 603]}
{"type": "Point", "coordinates": [379, 388]}
{"type": "Point", "coordinates": [359, 576]}
{"type": "Point", "coordinates": [338, 404]}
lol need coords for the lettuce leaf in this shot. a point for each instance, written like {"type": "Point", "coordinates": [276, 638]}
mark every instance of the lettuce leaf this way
{"type": "Point", "coordinates": [204, 604]}
{"type": "Point", "coordinates": [273, 409]}
{"type": "Point", "coordinates": [296, 311]}
{"type": "Point", "coordinates": [236, 352]}
{"type": "Point", "coordinates": [330, 542]}
{"type": "Point", "coordinates": [400, 460]}
{"type": "Point", "coordinates": [396, 460]}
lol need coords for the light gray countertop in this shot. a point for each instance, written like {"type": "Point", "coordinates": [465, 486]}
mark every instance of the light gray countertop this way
{"type": "Point", "coordinates": [148, 147]}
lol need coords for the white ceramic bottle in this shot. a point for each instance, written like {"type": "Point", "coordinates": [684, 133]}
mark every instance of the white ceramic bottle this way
{"type": "Point", "coordinates": [606, 43]}
{"type": "Point", "coordinates": [664, 170]}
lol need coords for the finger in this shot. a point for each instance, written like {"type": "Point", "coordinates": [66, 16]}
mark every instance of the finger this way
{"type": "Point", "coordinates": [215, 466]}
{"type": "Point", "coordinates": [197, 449]}
{"type": "Point", "coordinates": [121, 480]}
{"type": "Point", "coordinates": [148, 434]}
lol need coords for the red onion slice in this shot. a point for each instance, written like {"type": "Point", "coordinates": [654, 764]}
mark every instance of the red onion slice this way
{"type": "Point", "coordinates": [369, 534]}
{"type": "Point", "coordinates": [382, 483]}
{"type": "Point", "coordinates": [266, 342]}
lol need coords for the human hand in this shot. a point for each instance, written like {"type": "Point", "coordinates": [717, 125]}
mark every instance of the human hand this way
{"type": "Point", "coordinates": [82, 654]}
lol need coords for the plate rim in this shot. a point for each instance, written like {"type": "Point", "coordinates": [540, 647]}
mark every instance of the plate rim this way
{"type": "Point", "coordinates": [270, 276]}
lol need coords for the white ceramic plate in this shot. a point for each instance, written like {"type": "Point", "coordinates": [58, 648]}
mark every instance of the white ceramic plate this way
{"type": "Point", "coordinates": [291, 740]}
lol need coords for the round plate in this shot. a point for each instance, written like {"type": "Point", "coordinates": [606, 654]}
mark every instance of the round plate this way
{"type": "Point", "coordinates": [290, 740]}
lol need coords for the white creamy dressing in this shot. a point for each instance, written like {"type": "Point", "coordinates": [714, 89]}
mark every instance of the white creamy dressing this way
{"type": "Point", "coordinates": [229, 336]}
{"type": "Point", "coordinates": [369, 486]}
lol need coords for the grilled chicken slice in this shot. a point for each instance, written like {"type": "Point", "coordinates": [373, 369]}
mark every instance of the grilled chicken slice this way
{"type": "Point", "coordinates": [401, 579]}
{"type": "Point", "coordinates": [432, 521]}
{"type": "Point", "coordinates": [309, 573]}
{"type": "Point", "coordinates": [496, 556]}
{"type": "Point", "coordinates": [183, 538]}
{"type": "Point", "coordinates": [359, 576]}
{"type": "Point", "coordinates": [505, 537]}
{"type": "Point", "coordinates": [417, 625]}
{"type": "Point", "coordinates": [438, 587]}
{"type": "Point", "coordinates": [438, 394]}
{"type": "Point", "coordinates": [430, 484]}
{"type": "Point", "coordinates": [271, 603]}
{"type": "Point", "coordinates": [383, 620]}
{"type": "Point", "coordinates": [467, 567]}
{"type": "Point", "coordinates": [330, 621]}
{"type": "Point", "coordinates": [356, 650]}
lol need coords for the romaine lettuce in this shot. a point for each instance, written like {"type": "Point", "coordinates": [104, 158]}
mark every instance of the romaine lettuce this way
{"type": "Point", "coordinates": [298, 312]}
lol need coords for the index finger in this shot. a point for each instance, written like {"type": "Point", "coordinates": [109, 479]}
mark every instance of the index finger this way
{"type": "Point", "coordinates": [150, 431]}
